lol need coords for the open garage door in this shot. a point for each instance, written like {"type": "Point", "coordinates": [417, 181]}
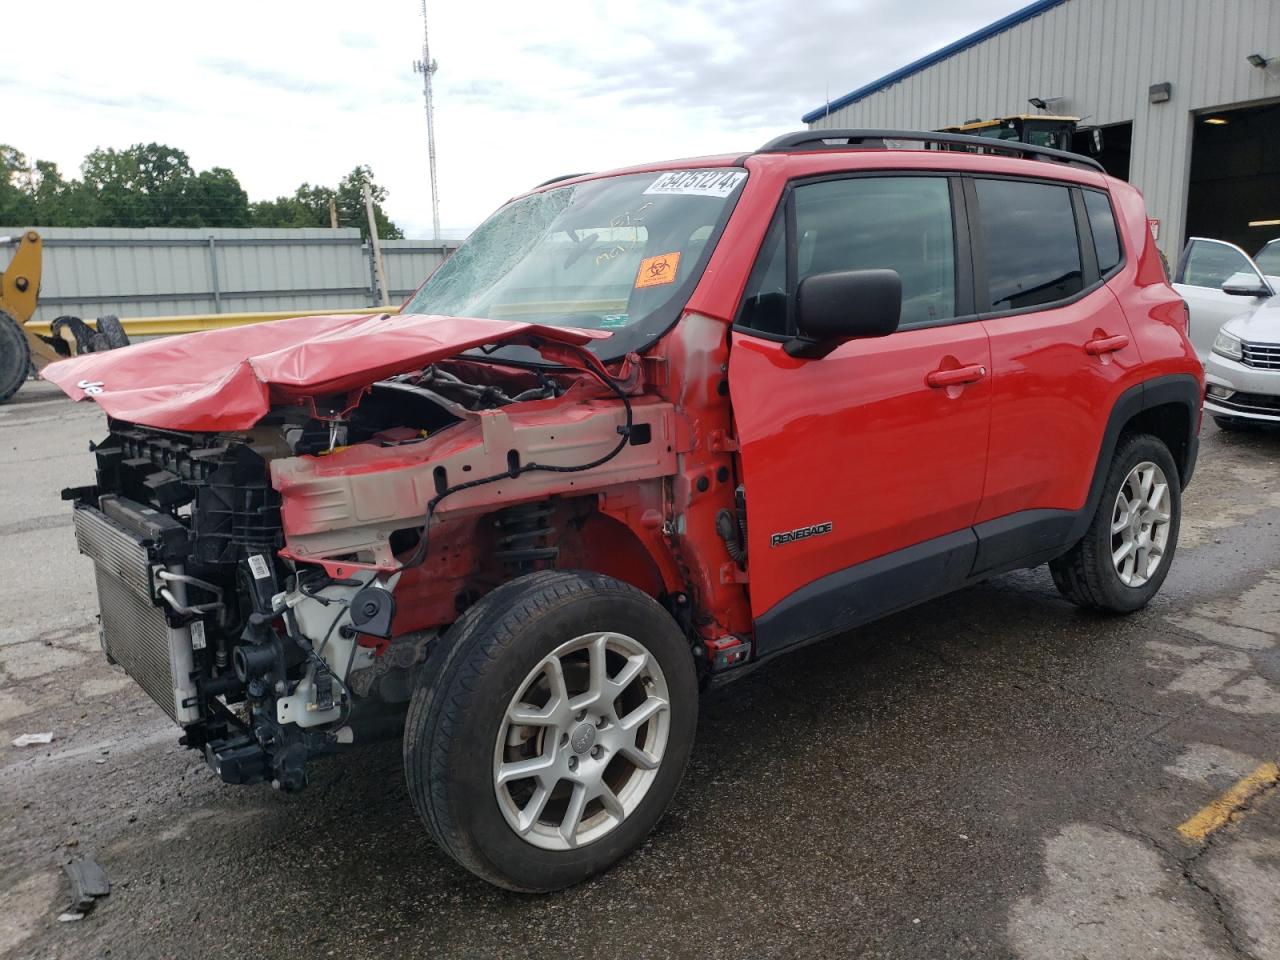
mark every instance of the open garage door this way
{"type": "Point", "coordinates": [1235, 176]}
{"type": "Point", "coordinates": [1117, 144]}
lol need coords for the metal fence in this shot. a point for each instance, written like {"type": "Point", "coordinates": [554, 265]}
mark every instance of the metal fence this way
{"type": "Point", "coordinates": [161, 271]}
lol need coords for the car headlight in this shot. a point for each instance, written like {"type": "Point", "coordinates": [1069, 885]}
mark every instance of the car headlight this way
{"type": "Point", "coordinates": [1228, 346]}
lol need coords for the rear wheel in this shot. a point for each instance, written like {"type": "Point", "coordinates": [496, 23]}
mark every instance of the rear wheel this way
{"type": "Point", "coordinates": [554, 731]}
{"type": "Point", "coordinates": [1120, 563]}
{"type": "Point", "coordinates": [15, 357]}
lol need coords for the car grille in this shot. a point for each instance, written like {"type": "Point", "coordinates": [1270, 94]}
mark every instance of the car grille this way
{"type": "Point", "coordinates": [135, 632]}
{"type": "Point", "coordinates": [1250, 403]}
{"type": "Point", "coordinates": [1265, 356]}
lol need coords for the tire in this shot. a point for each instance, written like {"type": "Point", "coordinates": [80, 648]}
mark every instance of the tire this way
{"type": "Point", "coordinates": [1233, 424]}
{"type": "Point", "coordinates": [15, 357]}
{"type": "Point", "coordinates": [1088, 574]}
{"type": "Point", "coordinates": [491, 664]}
{"type": "Point", "coordinates": [111, 330]}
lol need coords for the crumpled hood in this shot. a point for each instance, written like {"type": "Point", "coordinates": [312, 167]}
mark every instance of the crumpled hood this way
{"type": "Point", "coordinates": [228, 379]}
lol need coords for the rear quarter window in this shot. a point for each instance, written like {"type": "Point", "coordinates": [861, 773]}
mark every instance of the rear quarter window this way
{"type": "Point", "coordinates": [1102, 223]}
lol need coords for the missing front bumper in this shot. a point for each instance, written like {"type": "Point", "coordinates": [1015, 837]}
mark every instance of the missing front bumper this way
{"type": "Point", "coordinates": [126, 541]}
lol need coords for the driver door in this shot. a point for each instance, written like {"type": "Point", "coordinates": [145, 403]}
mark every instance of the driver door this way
{"type": "Point", "coordinates": [862, 480]}
{"type": "Point", "coordinates": [1205, 265]}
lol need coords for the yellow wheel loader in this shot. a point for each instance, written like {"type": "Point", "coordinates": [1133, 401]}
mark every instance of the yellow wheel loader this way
{"type": "Point", "coordinates": [20, 348]}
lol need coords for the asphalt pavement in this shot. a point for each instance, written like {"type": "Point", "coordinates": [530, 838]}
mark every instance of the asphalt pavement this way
{"type": "Point", "coordinates": [993, 774]}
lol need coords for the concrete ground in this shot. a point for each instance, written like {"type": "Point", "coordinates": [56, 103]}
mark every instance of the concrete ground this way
{"type": "Point", "coordinates": [995, 774]}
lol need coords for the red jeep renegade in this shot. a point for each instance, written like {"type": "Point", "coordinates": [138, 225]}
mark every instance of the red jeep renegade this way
{"type": "Point", "coordinates": [644, 431]}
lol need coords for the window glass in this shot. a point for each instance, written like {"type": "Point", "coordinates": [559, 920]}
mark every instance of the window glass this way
{"type": "Point", "coordinates": [618, 253]}
{"type": "Point", "coordinates": [1268, 258]}
{"type": "Point", "coordinates": [764, 305]}
{"type": "Point", "coordinates": [1029, 236]}
{"type": "Point", "coordinates": [1211, 264]}
{"type": "Point", "coordinates": [898, 223]}
{"type": "Point", "coordinates": [1106, 241]}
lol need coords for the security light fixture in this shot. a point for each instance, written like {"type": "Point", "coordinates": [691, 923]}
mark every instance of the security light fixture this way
{"type": "Point", "coordinates": [1042, 103]}
{"type": "Point", "coordinates": [1258, 60]}
{"type": "Point", "coordinates": [1159, 92]}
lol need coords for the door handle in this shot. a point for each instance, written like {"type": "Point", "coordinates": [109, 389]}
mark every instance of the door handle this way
{"type": "Point", "coordinates": [956, 377]}
{"type": "Point", "coordinates": [1096, 348]}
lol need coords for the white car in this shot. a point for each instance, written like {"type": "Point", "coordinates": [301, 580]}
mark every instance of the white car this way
{"type": "Point", "coordinates": [1219, 281]}
{"type": "Point", "coordinates": [1242, 372]}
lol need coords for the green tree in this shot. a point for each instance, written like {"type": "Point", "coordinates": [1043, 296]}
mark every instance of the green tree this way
{"type": "Point", "coordinates": [350, 197]}
{"type": "Point", "coordinates": [15, 193]}
{"type": "Point", "coordinates": [309, 207]}
{"type": "Point", "coordinates": [154, 185]}
{"type": "Point", "coordinates": [217, 199]}
{"type": "Point", "coordinates": [145, 185]}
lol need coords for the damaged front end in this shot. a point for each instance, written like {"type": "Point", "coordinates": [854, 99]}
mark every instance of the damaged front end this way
{"type": "Point", "coordinates": [276, 587]}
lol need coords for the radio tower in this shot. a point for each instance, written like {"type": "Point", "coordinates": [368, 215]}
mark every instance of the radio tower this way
{"type": "Point", "coordinates": [426, 66]}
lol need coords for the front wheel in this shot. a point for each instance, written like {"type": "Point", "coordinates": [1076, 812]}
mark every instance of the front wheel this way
{"type": "Point", "coordinates": [15, 357]}
{"type": "Point", "coordinates": [555, 730]}
{"type": "Point", "coordinates": [1123, 558]}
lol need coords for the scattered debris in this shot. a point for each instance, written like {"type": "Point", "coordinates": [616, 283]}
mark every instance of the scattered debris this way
{"type": "Point", "coordinates": [88, 882]}
{"type": "Point", "coordinates": [31, 739]}
{"type": "Point", "coordinates": [69, 916]}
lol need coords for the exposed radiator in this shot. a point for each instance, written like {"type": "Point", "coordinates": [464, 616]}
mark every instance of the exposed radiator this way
{"type": "Point", "coordinates": [135, 632]}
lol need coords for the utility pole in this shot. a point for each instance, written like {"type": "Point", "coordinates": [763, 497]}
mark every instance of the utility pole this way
{"type": "Point", "coordinates": [427, 67]}
{"type": "Point", "coordinates": [376, 248]}
{"type": "Point", "coordinates": [333, 213]}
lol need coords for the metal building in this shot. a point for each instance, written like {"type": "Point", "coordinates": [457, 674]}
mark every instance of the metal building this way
{"type": "Point", "coordinates": [1187, 93]}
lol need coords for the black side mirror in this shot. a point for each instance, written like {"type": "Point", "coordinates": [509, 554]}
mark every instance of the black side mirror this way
{"type": "Point", "coordinates": [844, 305]}
{"type": "Point", "coordinates": [1246, 285]}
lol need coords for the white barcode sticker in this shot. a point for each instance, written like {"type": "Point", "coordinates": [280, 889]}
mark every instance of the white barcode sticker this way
{"type": "Point", "coordinates": [197, 635]}
{"type": "Point", "coordinates": [258, 564]}
{"type": "Point", "coordinates": [697, 183]}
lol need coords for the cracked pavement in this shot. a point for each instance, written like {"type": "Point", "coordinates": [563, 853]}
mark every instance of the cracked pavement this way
{"type": "Point", "coordinates": [993, 774]}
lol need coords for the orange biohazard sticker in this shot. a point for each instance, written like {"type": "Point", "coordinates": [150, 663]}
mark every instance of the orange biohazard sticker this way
{"type": "Point", "coordinates": [655, 271]}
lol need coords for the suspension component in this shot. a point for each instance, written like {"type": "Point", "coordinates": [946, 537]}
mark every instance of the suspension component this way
{"type": "Point", "coordinates": [525, 543]}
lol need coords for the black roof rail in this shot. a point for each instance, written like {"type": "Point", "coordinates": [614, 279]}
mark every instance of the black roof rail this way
{"type": "Point", "coordinates": [567, 176]}
{"type": "Point", "coordinates": [844, 139]}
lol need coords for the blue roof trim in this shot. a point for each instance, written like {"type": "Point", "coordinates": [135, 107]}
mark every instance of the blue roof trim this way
{"type": "Point", "coordinates": [972, 40]}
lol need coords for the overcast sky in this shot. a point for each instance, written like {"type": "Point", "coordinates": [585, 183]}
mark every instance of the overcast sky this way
{"type": "Point", "coordinates": [285, 91]}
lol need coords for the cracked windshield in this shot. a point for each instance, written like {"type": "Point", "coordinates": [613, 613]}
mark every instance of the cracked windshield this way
{"type": "Point", "coordinates": [619, 254]}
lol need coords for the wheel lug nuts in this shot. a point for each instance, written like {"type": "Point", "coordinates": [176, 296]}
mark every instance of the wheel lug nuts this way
{"type": "Point", "coordinates": [564, 739]}
{"type": "Point", "coordinates": [573, 763]}
{"type": "Point", "coordinates": [595, 752]}
{"type": "Point", "coordinates": [582, 715]}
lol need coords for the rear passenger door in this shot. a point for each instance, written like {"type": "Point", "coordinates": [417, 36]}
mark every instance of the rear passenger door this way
{"type": "Point", "coordinates": [862, 479]}
{"type": "Point", "coordinates": [1061, 350]}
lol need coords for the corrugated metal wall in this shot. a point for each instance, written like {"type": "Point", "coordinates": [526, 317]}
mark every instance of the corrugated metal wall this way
{"type": "Point", "coordinates": [1102, 56]}
{"type": "Point", "coordinates": [409, 262]}
{"type": "Point", "coordinates": [89, 272]}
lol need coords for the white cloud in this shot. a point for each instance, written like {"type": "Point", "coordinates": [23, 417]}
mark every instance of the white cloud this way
{"type": "Point", "coordinates": [286, 92]}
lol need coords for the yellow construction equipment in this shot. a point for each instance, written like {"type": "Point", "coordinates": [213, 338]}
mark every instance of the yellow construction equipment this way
{"type": "Point", "coordinates": [1038, 129]}
{"type": "Point", "coordinates": [19, 288]}
{"type": "Point", "coordinates": [21, 348]}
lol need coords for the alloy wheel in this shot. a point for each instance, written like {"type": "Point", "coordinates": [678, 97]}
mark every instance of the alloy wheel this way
{"type": "Point", "coordinates": [581, 741]}
{"type": "Point", "coordinates": [1140, 524]}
